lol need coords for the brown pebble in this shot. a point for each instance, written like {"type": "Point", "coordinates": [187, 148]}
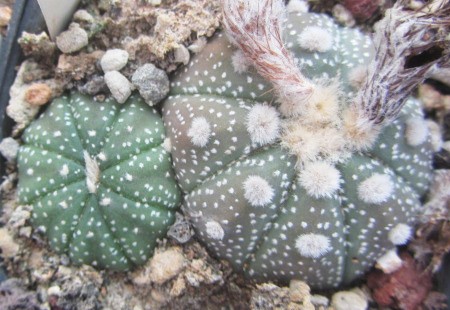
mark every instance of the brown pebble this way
{"type": "Point", "coordinates": [5, 16]}
{"type": "Point", "coordinates": [38, 94]}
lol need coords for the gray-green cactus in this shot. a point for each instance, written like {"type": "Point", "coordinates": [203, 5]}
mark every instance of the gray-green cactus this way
{"type": "Point", "coordinates": [99, 180]}
{"type": "Point", "coordinates": [326, 219]}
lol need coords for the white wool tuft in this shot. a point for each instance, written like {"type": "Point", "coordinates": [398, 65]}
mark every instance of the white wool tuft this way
{"type": "Point", "coordinates": [389, 262]}
{"type": "Point", "coordinates": [435, 135]}
{"type": "Point", "coordinates": [239, 62]}
{"type": "Point", "coordinates": [320, 179]}
{"type": "Point", "coordinates": [400, 234]}
{"type": "Point", "coordinates": [416, 131]}
{"type": "Point", "coordinates": [312, 245]}
{"type": "Point", "coordinates": [199, 132]}
{"type": "Point", "coordinates": [92, 173]}
{"type": "Point", "coordinates": [105, 202]}
{"type": "Point", "coordinates": [315, 39]}
{"type": "Point", "coordinates": [167, 145]}
{"type": "Point", "coordinates": [358, 131]}
{"type": "Point", "coordinates": [64, 171]}
{"type": "Point", "coordinates": [258, 191]}
{"type": "Point", "coordinates": [263, 124]}
{"type": "Point", "coordinates": [214, 230]}
{"type": "Point", "coordinates": [298, 6]}
{"type": "Point", "coordinates": [376, 189]}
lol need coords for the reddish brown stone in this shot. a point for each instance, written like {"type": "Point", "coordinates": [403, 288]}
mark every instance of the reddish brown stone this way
{"type": "Point", "coordinates": [362, 9]}
{"type": "Point", "coordinates": [38, 94]}
{"type": "Point", "coordinates": [404, 289]}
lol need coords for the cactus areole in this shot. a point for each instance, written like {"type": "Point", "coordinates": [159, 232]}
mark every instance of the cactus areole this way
{"type": "Point", "coordinates": [270, 189]}
{"type": "Point", "coordinates": [99, 180]}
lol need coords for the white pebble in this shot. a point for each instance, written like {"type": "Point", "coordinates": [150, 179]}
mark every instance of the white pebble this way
{"type": "Point", "coordinates": [348, 300]}
{"type": "Point", "coordinates": [9, 148]}
{"type": "Point", "coordinates": [114, 60]}
{"type": "Point", "coordinates": [119, 86]}
{"type": "Point", "coordinates": [73, 39]}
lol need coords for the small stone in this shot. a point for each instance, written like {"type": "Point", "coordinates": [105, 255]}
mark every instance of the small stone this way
{"type": "Point", "coordinates": [83, 16]}
{"type": "Point", "coordinates": [181, 230]}
{"type": "Point", "coordinates": [343, 16]}
{"type": "Point", "coordinates": [73, 39]}
{"type": "Point", "coordinates": [38, 94]}
{"type": "Point", "coordinates": [54, 291]}
{"type": "Point", "coordinates": [299, 292]}
{"type": "Point", "coordinates": [5, 16]}
{"type": "Point", "coordinates": [198, 45]}
{"type": "Point", "coordinates": [25, 231]}
{"type": "Point", "coordinates": [347, 300]}
{"type": "Point", "coordinates": [114, 60]}
{"type": "Point", "coordinates": [182, 55]}
{"type": "Point", "coordinates": [319, 300]}
{"type": "Point", "coordinates": [94, 86]}
{"type": "Point", "coordinates": [8, 247]}
{"type": "Point", "coordinates": [166, 265]}
{"type": "Point", "coordinates": [9, 148]}
{"type": "Point", "coordinates": [119, 86]}
{"type": "Point", "coordinates": [152, 83]}
{"type": "Point", "coordinates": [179, 286]}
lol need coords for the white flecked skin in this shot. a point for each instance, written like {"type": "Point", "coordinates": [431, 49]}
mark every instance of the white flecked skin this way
{"type": "Point", "coordinates": [273, 242]}
{"type": "Point", "coordinates": [99, 180]}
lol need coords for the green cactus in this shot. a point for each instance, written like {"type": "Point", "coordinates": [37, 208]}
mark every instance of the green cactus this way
{"type": "Point", "coordinates": [249, 199]}
{"type": "Point", "coordinates": [99, 180]}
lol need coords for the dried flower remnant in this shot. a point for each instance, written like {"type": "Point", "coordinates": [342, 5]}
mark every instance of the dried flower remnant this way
{"type": "Point", "coordinates": [409, 44]}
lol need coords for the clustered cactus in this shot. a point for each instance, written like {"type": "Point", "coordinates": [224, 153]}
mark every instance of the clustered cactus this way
{"type": "Point", "coordinates": [99, 179]}
{"type": "Point", "coordinates": [286, 173]}
{"type": "Point", "coordinates": [283, 190]}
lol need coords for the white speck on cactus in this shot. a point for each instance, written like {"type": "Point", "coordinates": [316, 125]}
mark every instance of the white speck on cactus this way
{"type": "Point", "coordinates": [389, 262]}
{"type": "Point", "coordinates": [416, 131]}
{"type": "Point", "coordinates": [128, 177]}
{"type": "Point", "coordinates": [214, 230]}
{"type": "Point", "coordinates": [239, 62]}
{"type": "Point", "coordinates": [320, 179]}
{"type": "Point", "coordinates": [263, 124]}
{"type": "Point", "coordinates": [92, 173]}
{"type": "Point", "coordinates": [63, 204]}
{"type": "Point", "coordinates": [199, 132]}
{"type": "Point", "coordinates": [400, 234]}
{"type": "Point", "coordinates": [92, 133]}
{"type": "Point", "coordinates": [312, 245]}
{"type": "Point", "coordinates": [64, 170]}
{"type": "Point", "coordinates": [30, 171]}
{"type": "Point", "coordinates": [376, 189]}
{"type": "Point", "coordinates": [315, 39]}
{"type": "Point", "coordinates": [258, 191]}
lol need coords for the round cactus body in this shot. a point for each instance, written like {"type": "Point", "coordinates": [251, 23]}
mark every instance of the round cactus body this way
{"type": "Point", "coordinates": [99, 180]}
{"type": "Point", "coordinates": [325, 221]}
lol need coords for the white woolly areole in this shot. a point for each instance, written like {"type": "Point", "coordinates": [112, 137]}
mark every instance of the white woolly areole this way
{"type": "Point", "coordinates": [357, 76]}
{"type": "Point", "coordinates": [167, 145]}
{"type": "Point", "coordinates": [240, 62]}
{"type": "Point", "coordinates": [435, 135]}
{"type": "Point", "coordinates": [258, 191]}
{"type": "Point", "coordinates": [214, 230]}
{"type": "Point", "coordinates": [263, 124]}
{"type": "Point", "coordinates": [376, 189]}
{"type": "Point", "coordinates": [92, 173]}
{"type": "Point", "coordinates": [400, 234]}
{"type": "Point", "coordinates": [320, 179]}
{"type": "Point", "coordinates": [64, 171]}
{"type": "Point", "coordinates": [315, 39]}
{"type": "Point", "coordinates": [416, 131]}
{"type": "Point", "coordinates": [389, 262]}
{"type": "Point", "coordinates": [199, 132]}
{"type": "Point", "coordinates": [297, 6]}
{"type": "Point", "coordinates": [312, 245]}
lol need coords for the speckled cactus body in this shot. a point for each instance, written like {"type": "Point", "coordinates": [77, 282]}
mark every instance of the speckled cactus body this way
{"type": "Point", "coordinates": [247, 199]}
{"type": "Point", "coordinates": [99, 180]}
